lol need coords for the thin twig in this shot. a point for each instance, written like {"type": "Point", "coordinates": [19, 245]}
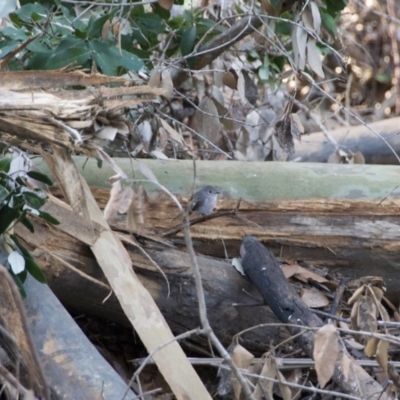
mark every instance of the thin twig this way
{"type": "Point", "coordinates": [203, 310]}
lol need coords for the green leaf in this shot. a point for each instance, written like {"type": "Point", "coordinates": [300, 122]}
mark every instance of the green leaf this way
{"type": "Point", "coordinates": [5, 164]}
{"type": "Point", "coordinates": [40, 177]}
{"type": "Point", "coordinates": [35, 270]}
{"type": "Point", "coordinates": [23, 275]}
{"type": "Point", "coordinates": [7, 216]}
{"type": "Point", "coordinates": [15, 34]}
{"type": "Point", "coordinates": [162, 12]}
{"type": "Point", "coordinates": [28, 224]}
{"type": "Point", "coordinates": [187, 42]}
{"type": "Point", "coordinates": [33, 199]}
{"type": "Point", "coordinates": [22, 249]}
{"type": "Point", "coordinates": [329, 23]}
{"type": "Point", "coordinates": [99, 163]}
{"type": "Point", "coordinates": [26, 11]}
{"type": "Point", "coordinates": [108, 58]}
{"type": "Point", "coordinates": [49, 218]}
{"type": "Point", "coordinates": [70, 50]}
{"type": "Point", "coordinates": [3, 195]}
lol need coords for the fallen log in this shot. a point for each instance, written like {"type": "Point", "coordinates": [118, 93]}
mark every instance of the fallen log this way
{"type": "Point", "coordinates": [76, 279]}
{"type": "Point", "coordinates": [315, 147]}
{"type": "Point", "coordinates": [341, 217]}
{"type": "Point", "coordinates": [66, 353]}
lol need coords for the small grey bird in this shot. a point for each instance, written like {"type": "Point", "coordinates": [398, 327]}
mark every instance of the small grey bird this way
{"type": "Point", "coordinates": [204, 200]}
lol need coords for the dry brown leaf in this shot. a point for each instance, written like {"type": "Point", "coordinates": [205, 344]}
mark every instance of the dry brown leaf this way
{"type": "Point", "coordinates": [356, 295]}
{"type": "Point", "coordinates": [314, 57]}
{"type": "Point", "coordinates": [302, 274]}
{"type": "Point", "coordinates": [230, 79]}
{"type": "Point", "coordinates": [371, 347]}
{"type": "Point", "coordinates": [224, 113]}
{"type": "Point", "coordinates": [251, 91]}
{"type": "Point", "coordinates": [367, 315]}
{"type": "Point", "coordinates": [378, 292]}
{"type": "Point", "coordinates": [166, 4]}
{"type": "Point", "coordinates": [241, 86]}
{"type": "Point", "coordinates": [326, 351]}
{"type": "Point", "coordinates": [120, 199]}
{"type": "Point", "coordinates": [242, 359]}
{"type": "Point", "coordinates": [314, 298]}
{"type": "Point", "coordinates": [354, 316]}
{"type": "Point", "coordinates": [358, 158]}
{"type": "Point", "coordinates": [173, 134]}
{"type": "Point", "coordinates": [296, 126]}
{"type": "Point", "coordinates": [137, 209]}
{"type": "Point", "coordinates": [268, 371]}
{"type": "Point", "coordinates": [218, 72]}
{"type": "Point", "coordinates": [208, 120]}
{"type": "Point", "coordinates": [286, 393]}
{"type": "Point", "coordinates": [382, 354]}
{"type": "Point", "coordinates": [162, 79]}
{"type": "Point", "coordinates": [295, 377]}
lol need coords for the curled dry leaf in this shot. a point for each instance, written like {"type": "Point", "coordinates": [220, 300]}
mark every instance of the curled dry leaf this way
{"type": "Point", "coordinates": [137, 209]}
{"type": "Point", "coordinates": [286, 130]}
{"type": "Point", "coordinates": [326, 351]}
{"type": "Point", "coordinates": [173, 134]}
{"type": "Point", "coordinates": [356, 295]}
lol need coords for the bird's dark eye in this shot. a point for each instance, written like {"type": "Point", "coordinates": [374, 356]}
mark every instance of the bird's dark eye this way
{"type": "Point", "coordinates": [210, 191]}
